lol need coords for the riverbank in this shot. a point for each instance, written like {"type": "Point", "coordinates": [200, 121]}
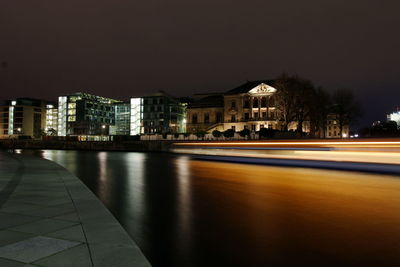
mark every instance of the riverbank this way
{"type": "Point", "coordinates": [48, 217]}
{"type": "Point", "coordinates": [139, 146]}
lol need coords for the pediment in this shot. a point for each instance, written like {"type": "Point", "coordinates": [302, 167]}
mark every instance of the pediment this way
{"type": "Point", "coordinates": [262, 89]}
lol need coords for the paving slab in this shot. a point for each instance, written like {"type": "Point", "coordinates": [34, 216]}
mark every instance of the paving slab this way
{"type": "Point", "coordinates": [12, 263]}
{"type": "Point", "coordinates": [74, 233]}
{"type": "Point", "coordinates": [42, 226]}
{"type": "Point", "coordinates": [48, 217]}
{"type": "Point", "coordinates": [32, 249]}
{"type": "Point", "coordinates": [9, 219]}
{"type": "Point", "coordinates": [8, 237]}
{"type": "Point", "coordinates": [76, 256]}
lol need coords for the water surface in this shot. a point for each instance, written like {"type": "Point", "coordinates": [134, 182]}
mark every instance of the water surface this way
{"type": "Point", "coordinates": [183, 212]}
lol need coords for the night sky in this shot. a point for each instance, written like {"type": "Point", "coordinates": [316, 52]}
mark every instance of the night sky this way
{"type": "Point", "coordinates": [122, 48]}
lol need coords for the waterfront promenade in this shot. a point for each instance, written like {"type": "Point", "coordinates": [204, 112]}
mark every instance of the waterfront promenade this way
{"type": "Point", "coordinates": [48, 217]}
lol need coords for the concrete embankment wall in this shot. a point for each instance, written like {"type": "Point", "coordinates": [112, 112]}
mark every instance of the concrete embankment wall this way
{"type": "Point", "coordinates": [147, 146]}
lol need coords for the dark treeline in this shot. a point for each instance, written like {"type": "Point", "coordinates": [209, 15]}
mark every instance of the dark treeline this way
{"type": "Point", "coordinates": [381, 129]}
{"type": "Point", "coordinates": [298, 100]}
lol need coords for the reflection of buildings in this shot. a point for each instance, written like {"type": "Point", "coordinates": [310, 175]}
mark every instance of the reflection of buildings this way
{"type": "Point", "coordinates": [250, 106]}
{"type": "Point", "coordinates": [157, 113]}
{"type": "Point", "coordinates": [395, 116]}
{"type": "Point", "coordinates": [85, 114]}
{"type": "Point", "coordinates": [23, 117]}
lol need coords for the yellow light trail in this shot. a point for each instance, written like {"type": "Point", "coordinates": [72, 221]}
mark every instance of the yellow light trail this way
{"type": "Point", "coordinates": [374, 151]}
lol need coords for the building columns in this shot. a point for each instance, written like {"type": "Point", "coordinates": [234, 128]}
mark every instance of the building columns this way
{"type": "Point", "coordinates": [251, 107]}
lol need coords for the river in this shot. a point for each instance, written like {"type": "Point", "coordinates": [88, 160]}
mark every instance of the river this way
{"type": "Point", "coordinates": [183, 212]}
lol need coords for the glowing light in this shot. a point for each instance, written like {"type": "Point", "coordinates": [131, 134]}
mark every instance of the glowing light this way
{"type": "Point", "coordinates": [289, 143]}
{"type": "Point", "coordinates": [136, 115]}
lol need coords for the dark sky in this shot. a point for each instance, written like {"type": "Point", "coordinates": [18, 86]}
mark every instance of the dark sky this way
{"type": "Point", "coordinates": [123, 48]}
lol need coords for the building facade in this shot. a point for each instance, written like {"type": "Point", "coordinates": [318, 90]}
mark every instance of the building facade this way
{"type": "Point", "coordinates": [51, 119]}
{"type": "Point", "coordinates": [157, 113]}
{"type": "Point", "coordinates": [206, 113]}
{"type": "Point", "coordinates": [23, 117]}
{"type": "Point", "coordinates": [122, 119]}
{"type": "Point", "coordinates": [333, 128]}
{"type": "Point", "coordinates": [249, 106]}
{"type": "Point", "coordinates": [85, 114]}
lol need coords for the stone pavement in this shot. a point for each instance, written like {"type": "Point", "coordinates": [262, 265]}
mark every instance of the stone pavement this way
{"type": "Point", "coordinates": [48, 217]}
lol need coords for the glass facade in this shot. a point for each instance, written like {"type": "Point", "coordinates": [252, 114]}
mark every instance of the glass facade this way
{"type": "Point", "coordinates": [62, 116]}
{"type": "Point", "coordinates": [136, 116]}
{"type": "Point", "coordinates": [122, 119]}
{"type": "Point", "coordinates": [159, 113]}
{"type": "Point", "coordinates": [11, 120]}
{"type": "Point", "coordinates": [51, 120]}
{"type": "Point", "coordinates": [85, 114]}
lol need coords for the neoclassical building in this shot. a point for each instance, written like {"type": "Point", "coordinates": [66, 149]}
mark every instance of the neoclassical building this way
{"type": "Point", "coordinates": [251, 106]}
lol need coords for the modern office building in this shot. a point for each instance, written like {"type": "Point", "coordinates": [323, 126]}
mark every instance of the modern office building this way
{"type": "Point", "coordinates": [23, 117]}
{"type": "Point", "coordinates": [51, 119]}
{"type": "Point", "coordinates": [122, 119]}
{"type": "Point", "coordinates": [157, 113]}
{"type": "Point", "coordinates": [85, 115]}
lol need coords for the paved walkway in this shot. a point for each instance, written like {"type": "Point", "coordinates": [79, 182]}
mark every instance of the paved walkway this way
{"type": "Point", "coordinates": [48, 217]}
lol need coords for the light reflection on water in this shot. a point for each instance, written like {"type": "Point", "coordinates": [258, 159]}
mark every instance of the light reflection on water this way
{"type": "Point", "coordinates": [193, 213]}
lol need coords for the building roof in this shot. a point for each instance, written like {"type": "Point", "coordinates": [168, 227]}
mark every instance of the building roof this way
{"type": "Point", "coordinates": [210, 101]}
{"type": "Point", "coordinates": [246, 87]}
{"type": "Point", "coordinates": [27, 101]}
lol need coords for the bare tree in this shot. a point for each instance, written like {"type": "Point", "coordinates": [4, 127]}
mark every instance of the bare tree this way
{"type": "Point", "coordinates": [294, 99]}
{"type": "Point", "coordinates": [284, 99]}
{"type": "Point", "coordinates": [345, 107]}
{"type": "Point", "coordinates": [319, 110]}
